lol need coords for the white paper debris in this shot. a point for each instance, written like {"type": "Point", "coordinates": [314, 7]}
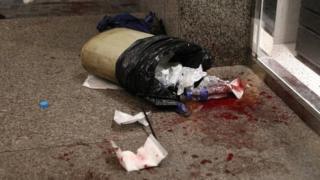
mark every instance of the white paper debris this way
{"type": "Point", "coordinates": [149, 155]}
{"type": "Point", "coordinates": [122, 118]}
{"type": "Point", "coordinates": [188, 77]}
{"type": "Point", "coordinates": [169, 75]}
{"type": "Point", "coordinates": [94, 82]}
{"type": "Point", "coordinates": [212, 81]}
{"type": "Point", "coordinates": [237, 88]}
{"type": "Point", "coordinates": [177, 75]}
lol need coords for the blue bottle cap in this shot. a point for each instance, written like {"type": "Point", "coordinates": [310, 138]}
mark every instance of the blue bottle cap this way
{"type": "Point", "coordinates": [43, 104]}
{"type": "Point", "coordinates": [182, 108]}
{"type": "Point", "coordinates": [204, 94]}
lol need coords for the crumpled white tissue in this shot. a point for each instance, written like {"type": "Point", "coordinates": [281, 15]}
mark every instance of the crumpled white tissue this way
{"type": "Point", "coordinates": [168, 75]}
{"type": "Point", "coordinates": [149, 155]}
{"type": "Point", "coordinates": [124, 118]}
{"type": "Point", "coordinates": [178, 75]}
{"type": "Point", "coordinates": [94, 82]}
{"type": "Point", "coordinates": [188, 77]}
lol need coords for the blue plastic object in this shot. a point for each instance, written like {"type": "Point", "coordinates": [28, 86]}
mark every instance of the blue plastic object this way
{"type": "Point", "coordinates": [150, 24]}
{"type": "Point", "coordinates": [204, 94]}
{"type": "Point", "coordinates": [182, 108]}
{"type": "Point", "coordinates": [128, 21]}
{"type": "Point", "coordinates": [43, 104]}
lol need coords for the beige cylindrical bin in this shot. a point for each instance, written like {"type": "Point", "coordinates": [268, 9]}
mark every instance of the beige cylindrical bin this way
{"type": "Point", "coordinates": [100, 54]}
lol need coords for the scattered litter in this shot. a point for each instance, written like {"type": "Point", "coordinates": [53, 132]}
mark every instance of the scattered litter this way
{"type": "Point", "coordinates": [184, 79]}
{"type": "Point", "coordinates": [43, 104]}
{"type": "Point", "coordinates": [149, 155]}
{"type": "Point", "coordinates": [214, 89]}
{"type": "Point", "coordinates": [122, 118]}
{"type": "Point", "coordinates": [177, 74]}
{"type": "Point", "coordinates": [130, 58]}
{"type": "Point", "coordinates": [94, 82]}
{"type": "Point", "coordinates": [165, 71]}
{"type": "Point", "coordinates": [150, 24]}
{"type": "Point", "coordinates": [189, 77]}
{"type": "Point", "coordinates": [136, 67]}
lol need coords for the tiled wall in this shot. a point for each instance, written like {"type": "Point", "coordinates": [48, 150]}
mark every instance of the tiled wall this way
{"type": "Point", "coordinates": [223, 26]}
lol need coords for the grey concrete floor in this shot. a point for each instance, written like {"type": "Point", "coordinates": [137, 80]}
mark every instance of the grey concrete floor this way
{"type": "Point", "coordinates": [257, 137]}
{"type": "Point", "coordinates": [16, 9]}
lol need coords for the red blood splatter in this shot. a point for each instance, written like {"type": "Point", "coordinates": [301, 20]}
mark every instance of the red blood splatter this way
{"type": "Point", "coordinates": [262, 93]}
{"type": "Point", "coordinates": [65, 156]}
{"type": "Point", "coordinates": [269, 97]}
{"type": "Point", "coordinates": [242, 131]}
{"type": "Point", "coordinates": [229, 157]}
{"type": "Point", "coordinates": [195, 174]}
{"type": "Point", "coordinates": [244, 106]}
{"type": "Point", "coordinates": [228, 116]}
{"type": "Point", "coordinates": [194, 156]}
{"type": "Point", "coordinates": [206, 161]}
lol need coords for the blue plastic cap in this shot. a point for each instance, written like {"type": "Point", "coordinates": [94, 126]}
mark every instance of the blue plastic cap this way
{"type": "Point", "coordinates": [43, 104]}
{"type": "Point", "coordinates": [182, 108]}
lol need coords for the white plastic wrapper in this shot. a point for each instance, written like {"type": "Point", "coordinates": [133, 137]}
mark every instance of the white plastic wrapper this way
{"type": "Point", "coordinates": [149, 155]}
{"type": "Point", "coordinates": [212, 81]}
{"type": "Point", "coordinates": [188, 77]}
{"type": "Point", "coordinates": [122, 118]}
{"type": "Point", "coordinates": [94, 82]}
{"type": "Point", "coordinates": [169, 75]}
{"type": "Point", "coordinates": [177, 75]}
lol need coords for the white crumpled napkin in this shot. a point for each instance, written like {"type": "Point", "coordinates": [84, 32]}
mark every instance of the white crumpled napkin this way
{"type": "Point", "coordinates": [189, 76]}
{"type": "Point", "coordinates": [94, 82]}
{"type": "Point", "coordinates": [149, 155]}
{"type": "Point", "coordinates": [124, 118]}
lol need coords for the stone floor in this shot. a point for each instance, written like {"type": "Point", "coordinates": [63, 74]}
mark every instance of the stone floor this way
{"type": "Point", "coordinates": [257, 137]}
{"type": "Point", "coordinates": [16, 9]}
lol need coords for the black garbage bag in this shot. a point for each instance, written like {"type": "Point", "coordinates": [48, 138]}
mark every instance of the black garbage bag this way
{"type": "Point", "coordinates": [135, 68]}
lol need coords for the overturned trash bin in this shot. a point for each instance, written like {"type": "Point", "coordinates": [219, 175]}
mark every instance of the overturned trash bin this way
{"type": "Point", "coordinates": [130, 58]}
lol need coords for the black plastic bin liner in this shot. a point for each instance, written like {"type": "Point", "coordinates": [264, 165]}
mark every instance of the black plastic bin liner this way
{"type": "Point", "coordinates": [135, 68]}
